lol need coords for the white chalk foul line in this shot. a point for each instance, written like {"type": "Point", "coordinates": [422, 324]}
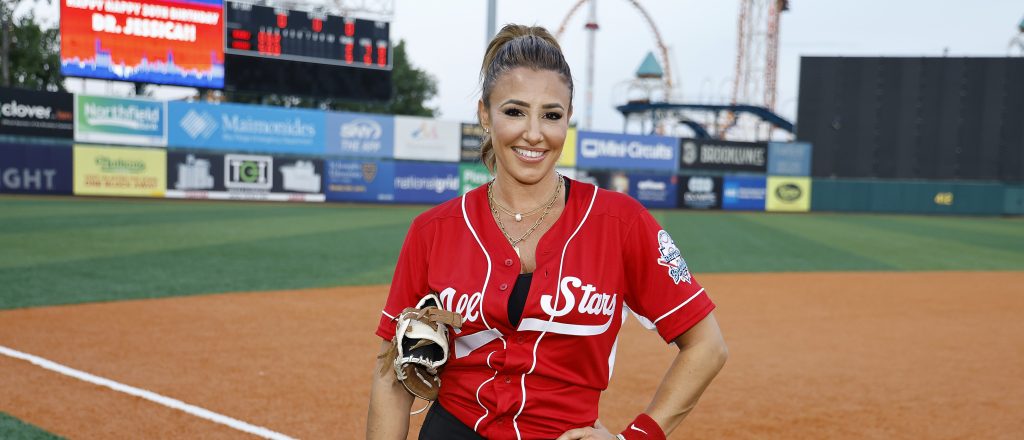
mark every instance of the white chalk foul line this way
{"type": "Point", "coordinates": [148, 395]}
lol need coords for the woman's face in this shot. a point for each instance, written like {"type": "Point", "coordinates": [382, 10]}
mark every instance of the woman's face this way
{"type": "Point", "coordinates": [528, 119]}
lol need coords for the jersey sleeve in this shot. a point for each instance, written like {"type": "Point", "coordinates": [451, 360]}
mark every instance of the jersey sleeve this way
{"type": "Point", "coordinates": [662, 291]}
{"type": "Point", "coordinates": [409, 282]}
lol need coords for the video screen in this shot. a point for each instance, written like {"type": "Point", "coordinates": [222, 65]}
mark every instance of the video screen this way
{"type": "Point", "coordinates": [171, 42]}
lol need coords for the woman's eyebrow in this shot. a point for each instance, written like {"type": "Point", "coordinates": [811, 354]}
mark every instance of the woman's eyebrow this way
{"type": "Point", "coordinates": [524, 104]}
{"type": "Point", "coordinates": [516, 102]}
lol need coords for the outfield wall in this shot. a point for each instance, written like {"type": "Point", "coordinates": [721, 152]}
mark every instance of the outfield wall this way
{"type": "Point", "coordinates": [916, 197]}
{"type": "Point", "coordinates": [58, 143]}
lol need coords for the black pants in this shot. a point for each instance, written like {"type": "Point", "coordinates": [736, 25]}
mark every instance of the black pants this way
{"type": "Point", "coordinates": [442, 425]}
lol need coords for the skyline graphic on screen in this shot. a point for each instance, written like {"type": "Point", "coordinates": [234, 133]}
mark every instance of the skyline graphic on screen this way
{"type": "Point", "coordinates": [171, 42]}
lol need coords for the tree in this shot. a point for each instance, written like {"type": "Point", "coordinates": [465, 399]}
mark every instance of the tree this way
{"type": "Point", "coordinates": [411, 89]}
{"type": "Point", "coordinates": [31, 54]}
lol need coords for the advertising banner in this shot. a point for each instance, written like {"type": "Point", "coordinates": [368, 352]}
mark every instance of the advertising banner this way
{"type": "Point", "coordinates": [654, 191]}
{"type": "Point", "coordinates": [603, 179]}
{"type": "Point", "coordinates": [626, 151]}
{"type": "Point", "coordinates": [34, 169]}
{"type": "Point", "coordinates": [788, 194]}
{"type": "Point", "coordinates": [426, 182]}
{"type": "Point", "coordinates": [472, 137]}
{"type": "Point", "coordinates": [191, 175]}
{"type": "Point", "coordinates": [120, 171]}
{"type": "Point", "coordinates": [140, 122]}
{"type": "Point", "coordinates": [427, 139]}
{"type": "Point", "coordinates": [710, 154]}
{"type": "Point", "coordinates": [360, 135]}
{"type": "Point", "coordinates": [472, 175]}
{"type": "Point", "coordinates": [789, 158]}
{"type": "Point", "coordinates": [253, 128]}
{"type": "Point", "coordinates": [31, 113]}
{"type": "Point", "coordinates": [700, 192]}
{"type": "Point", "coordinates": [568, 157]}
{"type": "Point", "coordinates": [359, 181]}
{"type": "Point", "coordinates": [176, 42]}
{"type": "Point", "coordinates": [743, 193]}
{"type": "Point", "coordinates": [243, 177]}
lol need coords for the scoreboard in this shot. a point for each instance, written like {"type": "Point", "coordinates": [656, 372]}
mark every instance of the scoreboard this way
{"type": "Point", "coordinates": [311, 37]}
{"type": "Point", "coordinates": [234, 45]}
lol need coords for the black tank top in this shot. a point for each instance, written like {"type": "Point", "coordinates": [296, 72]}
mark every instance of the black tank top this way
{"type": "Point", "coordinates": [517, 300]}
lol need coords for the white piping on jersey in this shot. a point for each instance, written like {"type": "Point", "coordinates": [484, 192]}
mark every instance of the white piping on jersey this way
{"type": "Point", "coordinates": [466, 344]}
{"type": "Point", "coordinates": [478, 402]}
{"type": "Point", "coordinates": [388, 315]}
{"type": "Point", "coordinates": [642, 319]}
{"type": "Point", "coordinates": [487, 257]}
{"type": "Point", "coordinates": [615, 346]}
{"type": "Point", "coordinates": [561, 264]}
{"type": "Point", "coordinates": [563, 328]}
{"type": "Point", "coordinates": [483, 294]}
{"type": "Point", "coordinates": [679, 306]}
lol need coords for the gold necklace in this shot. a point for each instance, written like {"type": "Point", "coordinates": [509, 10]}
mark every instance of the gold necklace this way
{"type": "Point", "coordinates": [519, 215]}
{"type": "Point", "coordinates": [547, 209]}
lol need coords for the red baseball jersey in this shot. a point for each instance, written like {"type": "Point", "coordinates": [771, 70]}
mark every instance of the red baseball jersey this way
{"type": "Point", "coordinates": [604, 254]}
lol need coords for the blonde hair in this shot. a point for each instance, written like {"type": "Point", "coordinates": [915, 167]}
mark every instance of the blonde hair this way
{"type": "Point", "coordinates": [516, 46]}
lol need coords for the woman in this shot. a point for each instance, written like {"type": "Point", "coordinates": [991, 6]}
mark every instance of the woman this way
{"type": "Point", "coordinates": [542, 269]}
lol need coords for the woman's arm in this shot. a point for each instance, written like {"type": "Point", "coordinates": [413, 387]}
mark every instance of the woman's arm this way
{"type": "Point", "coordinates": [388, 418]}
{"type": "Point", "coordinates": [702, 353]}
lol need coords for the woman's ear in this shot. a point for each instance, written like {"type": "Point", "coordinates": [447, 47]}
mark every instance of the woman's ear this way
{"type": "Point", "coordinates": [481, 114]}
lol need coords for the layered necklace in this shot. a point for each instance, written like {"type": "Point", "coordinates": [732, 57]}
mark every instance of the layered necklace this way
{"type": "Point", "coordinates": [519, 216]}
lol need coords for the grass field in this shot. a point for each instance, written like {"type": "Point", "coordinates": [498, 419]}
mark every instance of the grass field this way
{"type": "Point", "coordinates": [77, 250]}
{"type": "Point", "coordinates": [65, 251]}
{"type": "Point", "coordinates": [13, 429]}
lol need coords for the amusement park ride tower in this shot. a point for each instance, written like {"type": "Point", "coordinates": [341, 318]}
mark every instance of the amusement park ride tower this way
{"type": "Point", "coordinates": [757, 60]}
{"type": "Point", "coordinates": [749, 116]}
{"type": "Point", "coordinates": [1017, 42]}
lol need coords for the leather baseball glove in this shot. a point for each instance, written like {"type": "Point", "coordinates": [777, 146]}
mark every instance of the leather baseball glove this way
{"type": "Point", "coordinates": [420, 346]}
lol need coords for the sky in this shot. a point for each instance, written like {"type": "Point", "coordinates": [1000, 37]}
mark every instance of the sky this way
{"type": "Point", "coordinates": [447, 38]}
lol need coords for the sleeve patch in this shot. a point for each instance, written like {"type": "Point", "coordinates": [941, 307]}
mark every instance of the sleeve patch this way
{"type": "Point", "coordinates": [672, 258]}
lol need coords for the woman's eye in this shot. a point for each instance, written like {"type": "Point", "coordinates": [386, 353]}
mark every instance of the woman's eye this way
{"type": "Point", "coordinates": [513, 112]}
{"type": "Point", "coordinates": [553, 116]}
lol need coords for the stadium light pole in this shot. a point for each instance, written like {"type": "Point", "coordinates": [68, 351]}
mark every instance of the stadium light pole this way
{"type": "Point", "coordinates": [492, 6]}
{"type": "Point", "coordinates": [5, 45]}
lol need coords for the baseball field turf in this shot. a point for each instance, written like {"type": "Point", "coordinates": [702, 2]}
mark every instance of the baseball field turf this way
{"type": "Point", "coordinates": [63, 251]}
{"type": "Point", "coordinates": [66, 251]}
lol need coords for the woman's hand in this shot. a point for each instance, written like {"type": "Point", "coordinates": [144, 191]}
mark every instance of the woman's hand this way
{"type": "Point", "coordinates": [388, 417]}
{"type": "Point", "coordinates": [596, 432]}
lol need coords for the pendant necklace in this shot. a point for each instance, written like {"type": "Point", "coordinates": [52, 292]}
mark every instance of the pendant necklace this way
{"type": "Point", "coordinates": [547, 209]}
{"type": "Point", "coordinates": [519, 215]}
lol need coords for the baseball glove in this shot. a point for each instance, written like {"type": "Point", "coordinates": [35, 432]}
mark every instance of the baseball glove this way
{"type": "Point", "coordinates": [420, 346]}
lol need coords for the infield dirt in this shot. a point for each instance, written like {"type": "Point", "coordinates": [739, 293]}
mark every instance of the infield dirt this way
{"type": "Point", "coordinates": [933, 355]}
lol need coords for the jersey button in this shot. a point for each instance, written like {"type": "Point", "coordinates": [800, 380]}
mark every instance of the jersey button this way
{"type": "Point", "coordinates": [520, 339]}
{"type": "Point", "coordinates": [503, 286]}
{"type": "Point", "coordinates": [508, 379]}
{"type": "Point", "coordinates": [508, 262]}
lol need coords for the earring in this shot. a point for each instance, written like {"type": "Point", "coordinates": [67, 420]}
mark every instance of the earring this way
{"type": "Point", "coordinates": [486, 130]}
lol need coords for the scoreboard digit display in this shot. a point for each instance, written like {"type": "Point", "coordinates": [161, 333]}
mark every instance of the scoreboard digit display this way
{"type": "Point", "coordinates": [310, 37]}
